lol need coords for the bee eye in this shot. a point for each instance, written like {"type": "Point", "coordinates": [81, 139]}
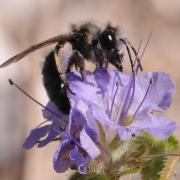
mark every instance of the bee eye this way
{"type": "Point", "coordinates": [110, 37]}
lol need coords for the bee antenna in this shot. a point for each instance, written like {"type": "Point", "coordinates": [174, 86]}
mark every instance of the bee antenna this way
{"type": "Point", "coordinates": [29, 96]}
{"type": "Point", "coordinates": [10, 82]}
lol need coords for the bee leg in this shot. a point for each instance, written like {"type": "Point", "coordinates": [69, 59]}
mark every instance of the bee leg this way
{"type": "Point", "coordinates": [99, 56]}
{"type": "Point", "coordinates": [117, 65]}
{"type": "Point", "coordinates": [78, 61]}
{"type": "Point", "coordinates": [116, 60]}
{"type": "Point", "coordinates": [70, 64]}
{"type": "Point", "coordinates": [83, 70]}
{"type": "Point", "coordinates": [80, 65]}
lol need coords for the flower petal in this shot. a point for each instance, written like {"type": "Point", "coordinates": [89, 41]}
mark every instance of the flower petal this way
{"type": "Point", "coordinates": [101, 116]}
{"type": "Point", "coordinates": [51, 112]}
{"type": "Point", "coordinates": [158, 126]}
{"type": "Point", "coordinates": [160, 93]}
{"type": "Point", "coordinates": [35, 135]}
{"type": "Point", "coordinates": [126, 133]}
{"type": "Point", "coordinates": [92, 134]}
{"type": "Point", "coordinates": [61, 160]}
{"type": "Point", "coordinates": [77, 121]}
{"type": "Point", "coordinates": [102, 78]}
{"type": "Point", "coordinates": [88, 145]}
{"type": "Point", "coordinates": [85, 91]}
{"type": "Point", "coordinates": [51, 136]}
{"type": "Point", "coordinates": [80, 161]}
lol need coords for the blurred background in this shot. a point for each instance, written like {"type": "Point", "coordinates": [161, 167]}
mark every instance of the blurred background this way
{"type": "Point", "coordinates": [26, 22]}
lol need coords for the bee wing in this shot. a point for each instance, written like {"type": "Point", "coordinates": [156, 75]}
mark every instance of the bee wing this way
{"type": "Point", "coordinates": [35, 47]}
{"type": "Point", "coordinates": [62, 59]}
{"type": "Point", "coordinates": [65, 53]}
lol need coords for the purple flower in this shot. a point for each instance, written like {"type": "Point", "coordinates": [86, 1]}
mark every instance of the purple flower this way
{"type": "Point", "coordinates": [125, 103]}
{"type": "Point", "coordinates": [151, 93]}
{"type": "Point", "coordinates": [79, 147]}
{"type": "Point", "coordinates": [106, 105]}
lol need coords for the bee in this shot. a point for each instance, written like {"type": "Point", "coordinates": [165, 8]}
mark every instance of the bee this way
{"type": "Point", "coordinates": [86, 42]}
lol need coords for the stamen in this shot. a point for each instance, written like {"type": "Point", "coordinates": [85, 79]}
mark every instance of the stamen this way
{"type": "Point", "coordinates": [114, 97]}
{"type": "Point", "coordinates": [137, 59]}
{"type": "Point", "coordinates": [61, 128]}
{"type": "Point", "coordinates": [138, 66]}
{"type": "Point", "coordinates": [133, 91]}
{"type": "Point", "coordinates": [150, 82]}
{"type": "Point", "coordinates": [128, 121]}
{"type": "Point", "coordinates": [41, 124]}
{"type": "Point", "coordinates": [136, 53]}
{"type": "Point", "coordinates": [127, 100]}
{"type": "Point", "coordinates": [149, 37]}
{"type": "Point", "coordinates": [55, 139]}
{"type": "Point", "coordinates": [37, 102]}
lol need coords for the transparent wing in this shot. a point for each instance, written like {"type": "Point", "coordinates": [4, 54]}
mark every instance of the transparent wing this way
{"type": "Point", "coordinates": [48, 42]}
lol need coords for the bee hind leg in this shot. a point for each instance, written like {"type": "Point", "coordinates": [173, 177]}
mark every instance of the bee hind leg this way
{"type": "Point", "coordinates": [79, 62]}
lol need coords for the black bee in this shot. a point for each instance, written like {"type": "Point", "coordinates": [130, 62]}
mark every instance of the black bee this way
{"type": "Point", "coordinates": [106, 48]}
{"type": "Point", "coordinates": [87, 42]}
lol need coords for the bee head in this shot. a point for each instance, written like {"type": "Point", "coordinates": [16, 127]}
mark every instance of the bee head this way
{"type": "Point", "coordinates": [108, 38]}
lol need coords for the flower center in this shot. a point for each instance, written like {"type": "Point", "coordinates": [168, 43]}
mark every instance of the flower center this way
{"type": "Point", "coordinates": [128, 121]}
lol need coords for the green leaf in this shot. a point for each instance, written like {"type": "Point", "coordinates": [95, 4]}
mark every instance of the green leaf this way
{"type": "Point", "coordinates": [115, 143]}
{"type": "Point", "coordinates": [172, 144]}
{"type": "Point", "coordinates": [101, 133]}
{"type": "Point", "coordinates": [154, 168]}
{"type": "Point", "coordinates": [168, 170]}
{"type": "Point", "coordinates": [130, 170]}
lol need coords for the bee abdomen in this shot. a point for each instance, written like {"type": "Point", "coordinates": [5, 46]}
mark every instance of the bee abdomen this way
{"type": "Point", "coordinates": [55, 85]}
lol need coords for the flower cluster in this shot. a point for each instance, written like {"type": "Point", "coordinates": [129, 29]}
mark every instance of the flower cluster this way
{"type": "Point", "coordinates": [109, 104]}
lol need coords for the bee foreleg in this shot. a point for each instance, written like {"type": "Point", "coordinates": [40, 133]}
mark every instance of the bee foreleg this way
{"type": "Point", "coordinates": [116, 60]}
